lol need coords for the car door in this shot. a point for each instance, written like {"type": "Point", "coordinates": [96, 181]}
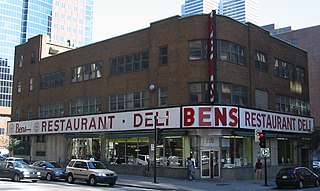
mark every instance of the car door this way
{"type": "Point", "coordinates": [2, 168]}
{"type": "Point", "coordinates": [9, 170]}
{"type": "Point", "coordinates": [79, 170]}
{"type": "Point", "coordinates": [309, 177]}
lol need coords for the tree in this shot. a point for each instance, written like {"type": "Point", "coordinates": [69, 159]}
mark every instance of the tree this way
{"type": "Point", "coordinates": [14, 145]}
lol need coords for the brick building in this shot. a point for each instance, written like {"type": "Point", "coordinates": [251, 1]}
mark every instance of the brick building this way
{"type": "Point", "coordinates": [106, 99]}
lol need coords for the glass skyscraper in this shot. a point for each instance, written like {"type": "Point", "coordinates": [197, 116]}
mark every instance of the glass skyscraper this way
{"type": "Point", "coordinates": [65, 22]}
{"type": "Point", "coordinates": [240, 10]}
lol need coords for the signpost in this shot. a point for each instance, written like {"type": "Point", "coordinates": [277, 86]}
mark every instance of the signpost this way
{"type": "Point", "coordinates": [265, 152]}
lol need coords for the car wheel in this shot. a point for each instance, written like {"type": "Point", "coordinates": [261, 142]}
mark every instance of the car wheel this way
{"type": "Point", "coordinates": [316, 183]}
{"type": "Point", "coordinates": [300, 184]}
{"type": "Point", "coordinates": [70, 178]}
{"type": "Point", "coordinates": [92, 181]}
{"type": "Point", "coordinates": [112, 183]}
{"type": "Point", "coordinates": [49, 176]}
{"type": "Point", "coordinates": [16, 178]}
{"type": "Point", "coordinates": [34, 180]}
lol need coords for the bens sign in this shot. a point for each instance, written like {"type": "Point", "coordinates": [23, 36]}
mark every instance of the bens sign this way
{"type": "Point", "coordinates": [177, 117]}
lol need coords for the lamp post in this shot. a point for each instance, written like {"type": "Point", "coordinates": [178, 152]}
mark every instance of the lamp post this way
{"type": "Point", "coordinates": [155, 150]}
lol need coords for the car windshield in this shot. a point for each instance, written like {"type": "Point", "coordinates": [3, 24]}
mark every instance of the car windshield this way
{"type": "Point", "coordinates": [53, 165]}
{"type": "Point", "coordinates": [21, 165]}
{"type": "Point", "coordinates": [286, 171]}
{"type": "Point", "coordinates": [96, 165]}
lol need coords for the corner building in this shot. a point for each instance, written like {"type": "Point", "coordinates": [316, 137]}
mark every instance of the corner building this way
{"type": "Point", "coordinates": [205, 83]}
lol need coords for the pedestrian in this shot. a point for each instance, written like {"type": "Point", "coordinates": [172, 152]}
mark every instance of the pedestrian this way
{"type": "Point", "coordinates": [191, 169]}
{"type": "Point", "coordinates": [258, 170]}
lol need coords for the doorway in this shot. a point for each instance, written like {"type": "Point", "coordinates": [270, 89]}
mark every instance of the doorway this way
{"type": "Point", "coordinates": [210, 164]}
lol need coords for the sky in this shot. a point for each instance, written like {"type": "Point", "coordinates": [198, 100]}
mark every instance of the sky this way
{"type": "Point", "coordinates": [116, 17]}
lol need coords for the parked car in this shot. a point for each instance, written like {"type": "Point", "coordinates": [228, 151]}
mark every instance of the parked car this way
{"type": "Point", "coordinates": [17, 170]}
{"type": "Point", "coordinates": [92, 172]}
{"type": "Point", "coordinates": [17, 159]}
{"type": "Point", "coordinates": [297, 177]}
{"type": "Point", "coordinates": [316, 164]}
{"type": "Point", "coordinates": [50, 170]}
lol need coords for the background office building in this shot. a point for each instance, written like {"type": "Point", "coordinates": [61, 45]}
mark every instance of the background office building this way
{"type": "Point", "coordinates": [109, 103]}
{"type": "Point", "coordinates": [65, 22]}
{"type": "Point", "coordinates": [192, 7]}
{"type": "Point", "coordinates": [240, 10]}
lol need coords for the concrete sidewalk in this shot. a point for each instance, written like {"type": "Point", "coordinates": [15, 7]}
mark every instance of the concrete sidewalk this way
{"type": "Point", "coordinates": [198, 185]}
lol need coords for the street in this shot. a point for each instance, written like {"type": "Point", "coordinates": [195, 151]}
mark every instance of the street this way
{"type": "Point", "coordinates": [7, 185]}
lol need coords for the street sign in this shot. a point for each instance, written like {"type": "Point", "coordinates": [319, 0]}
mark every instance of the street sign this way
{"type": "Point", "coordinates": [265, 152]}
{"type": "Point", "coordinates": [256, 135]}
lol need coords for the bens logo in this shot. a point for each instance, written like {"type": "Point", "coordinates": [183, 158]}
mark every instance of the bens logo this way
{"type": "Point", "coordinates": [36, 127]}
{"type": "Point", "coordinates": [11, 128]}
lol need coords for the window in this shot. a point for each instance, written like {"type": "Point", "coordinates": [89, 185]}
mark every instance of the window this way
{"type": "Point", "coordinates": [29, 112]}
{"type": "Point", "coordinates": [260, 61]}
{"type": "Point", "coordinates": [163, 96]}
{"type": "Point", "coordinates": [262, 98]}
{"type": "Point", "coordinates": [300, 75]}
{"type": "Point", "coordinates": [133, 100]}
{"type": "Point", "coordinates": [294, 41]}
{"type": "Point", "coordinates": [33, 57]}
{"type": "Point", "coordinates": [283, 69]}
{"type": "Point", "coordinates": [51, 110]}
{"type": "Point", "coordinates": [52, 80]}
{"type": "Point", "coordinates": [292, 105]}
{"type": "Point", "coordinates": [19, 86]}
{"type": "Point", "coordinates": [31, 84]}
{"type": "Point", "coordinates": [2, 131]}
{"type": "Point", "coordinates": [17, 114]}
{"type": "Point", "coordinates": [231, 52]}
{"type": "Point", "coordinates": [86, 72]}
{"type": "Point", "coordinates": [198, 50]}
{"type": "Point", "coordinates": [129, 63]}
{"type": "Point", "coordinates": [87, 105]}
{"type": "Point", "coordinates": [199, 92]}
{"type": "Point", "coordinates": [20, 61]}
{"type": "Point", "coordinates": [163, 55]}
{"type": "Point", "coordinates": [232, 94]}
{"type": "Point", "coordinates": [285, 150]}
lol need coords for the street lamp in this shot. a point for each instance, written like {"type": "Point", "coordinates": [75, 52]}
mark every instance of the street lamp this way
{"type": "Point", "coordinates": [155, 141]}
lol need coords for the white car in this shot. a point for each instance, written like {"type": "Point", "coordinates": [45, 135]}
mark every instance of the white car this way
{"type": "Point", "coordinates": [92, 172]}
{"type": "Point", "coordinates": [316, 164]}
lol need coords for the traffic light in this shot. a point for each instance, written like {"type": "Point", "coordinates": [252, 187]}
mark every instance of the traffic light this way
{"type": "Point", "coordinates": [262, 139]}
{"type": "Point", "coordinates": [159, 136]}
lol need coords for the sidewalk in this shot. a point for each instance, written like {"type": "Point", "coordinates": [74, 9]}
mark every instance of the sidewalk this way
{"type": "Point", "coordinates": [198, 185]}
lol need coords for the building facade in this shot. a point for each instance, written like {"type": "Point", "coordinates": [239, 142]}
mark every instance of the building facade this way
{"type": "Point", "coordinates": [65, 22]}
{"type": "Point", "coordinates": [204, 93]}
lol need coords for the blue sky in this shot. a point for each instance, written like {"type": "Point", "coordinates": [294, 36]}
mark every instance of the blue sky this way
{"type": "Point", "coordinates": [117, 17]}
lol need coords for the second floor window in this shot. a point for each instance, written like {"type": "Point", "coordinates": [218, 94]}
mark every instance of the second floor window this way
{"type": "Point", "coordinates": [198, 50]}
{"type": "Point", "coordinates": [87, 105]}
{"type": "Point", "coordinates": [231, 52]}
{"type": "Point", "coordinates": [232, 94]}
{"type": "Point", "coordinates": [127, 101]}
{"type": "Point", "coordinates": [163, 55]}
{"type": "Point", "coordinates": [260, 61]}
{"type": "Point", "coordinates": [300, 75]}
{"type": "Point", "coordinates": [163, 96]}
{"type": "Point", "coordinates": [283, 69]}
{"type": "Point", "coordinates": [19, 87]}
{"type": "Point", "coordinates": [51, 110]}
{"type": "Point", "coordinates": [199, 92]}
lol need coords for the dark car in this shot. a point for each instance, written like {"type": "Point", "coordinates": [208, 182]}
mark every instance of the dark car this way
{"type": "Point", "coordinates": [17, 159]}
{"type": "Point", "coordinates": [17, 170]}
{"type": "Point", "coordinates": [297, 177]}
{"type": "Point", "coordinates": [50, 170]}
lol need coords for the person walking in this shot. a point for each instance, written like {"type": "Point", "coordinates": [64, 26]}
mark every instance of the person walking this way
{"type": "Point", "coordinates": [191, 169]}
{"type": "Point", "coordinates": [258, 170]}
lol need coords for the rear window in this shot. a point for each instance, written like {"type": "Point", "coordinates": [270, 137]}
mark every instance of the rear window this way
{"type": "Point", "coordinates": [286, 171]}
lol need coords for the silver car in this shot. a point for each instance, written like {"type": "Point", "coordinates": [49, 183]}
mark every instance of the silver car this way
{"type": "Point", "coordinates": [50, 170]}
{"type": "Point", "coordinates": [17, 170]}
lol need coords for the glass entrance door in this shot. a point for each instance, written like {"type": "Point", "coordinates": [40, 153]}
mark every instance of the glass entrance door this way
{"type": "Point", "coordinates": [209, 164]}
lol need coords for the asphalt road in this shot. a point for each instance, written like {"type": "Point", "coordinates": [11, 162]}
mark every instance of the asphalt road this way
{"type": "Point", "coordinates": [42, 185]}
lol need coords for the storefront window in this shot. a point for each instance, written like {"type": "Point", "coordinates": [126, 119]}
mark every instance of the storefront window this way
{"type": "Point", "coordinates": [128, 151]}
{"type": "Point", "coordinates": [236, 152]}
{"type": "Point", "coordinates": [170, 153]}
{"type": "Point", "coordinates": [285, 150]}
